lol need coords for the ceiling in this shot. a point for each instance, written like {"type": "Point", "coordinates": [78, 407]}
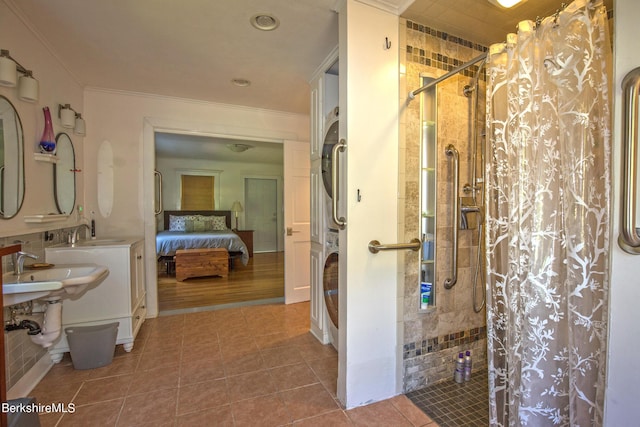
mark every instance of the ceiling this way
{"type": "Point", "coordinates": [194, 49]}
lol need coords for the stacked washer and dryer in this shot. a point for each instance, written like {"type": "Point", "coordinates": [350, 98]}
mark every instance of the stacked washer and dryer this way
{"type": "Point", "coordinates": [331, 247]}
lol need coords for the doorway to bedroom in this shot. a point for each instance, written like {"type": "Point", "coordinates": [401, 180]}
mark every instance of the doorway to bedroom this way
{"type": "Point", "coordinates": [247, 185]}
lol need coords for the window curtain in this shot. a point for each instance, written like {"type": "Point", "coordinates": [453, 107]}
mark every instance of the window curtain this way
{"type": "Point", "coordinates": [548, 213]}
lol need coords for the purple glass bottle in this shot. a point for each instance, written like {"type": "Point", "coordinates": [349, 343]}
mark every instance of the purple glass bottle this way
{"type": "Point", "coordinates": [48, 140]}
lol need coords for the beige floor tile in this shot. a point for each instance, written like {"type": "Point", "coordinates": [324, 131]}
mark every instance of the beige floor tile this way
{"type": "Point", "coordinates": [201, 370]}
{"type": "Point", "coordinates": [94, 415]}
{"type": "Point", "coordinates": [380, 414]}
{"type": "Point", "coordinates": [102, 389]}
{"type": "Point", "coordinates": [293, 376]}
{"type": "Point", "coordinates": [153, 380]}
{"type": "Point", "coordinates": [335, 418]}
{"type": "Point", "coordinates": [308, 401]}
{"type": "Point", "coordinates": [263, 411]}
{"type": "Point", "coordinates": [236, 365]}
{"type": "Point", "coordinates": [58, 392]}
{"type": "Point", "coordinates": [411, 411]}
{"type": "Point", "coordinates": [218, 417]}
{"type": "Point", "coordinates": [280, 356]}
{"type": "Point", "coordinates": [154, 407]}
{"type": "Point", "coordinates": [119, 366]}
{"type": "Point", "coordinates": [201, 396]}
{"type": "Point", "coordinates": [250, 385]}
{"type": "Point", "coordinates": [157, 360]}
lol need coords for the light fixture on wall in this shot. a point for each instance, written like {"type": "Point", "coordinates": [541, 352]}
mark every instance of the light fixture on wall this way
{"type": "Point", "coordinates": [506, 4]}
{"type": "Point", "coordinates": [235, 208]}
{"type": "Point", "coordinates": [70, 118]}
{"type": "Point", "coordinates": [239, 148]}
{"type": "Point", "coordinates": [28, 87]}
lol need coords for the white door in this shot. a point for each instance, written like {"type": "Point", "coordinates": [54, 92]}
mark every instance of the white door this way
{"type": "Point", "coordinates": [297, 242]}
{"type": "Point", "coordinates": [261, 213]}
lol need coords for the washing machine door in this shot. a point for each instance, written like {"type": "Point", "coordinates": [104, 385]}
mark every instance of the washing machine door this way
{"type": "Point", "coordinates": [330, 285]}
{"type": "Point", "coordinates": [330, 139]}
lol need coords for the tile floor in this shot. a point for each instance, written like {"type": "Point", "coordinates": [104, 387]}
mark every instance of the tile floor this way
{"type": "Point", "coordinates": [250, 366]}
{"type": "Point", "coordinates": [456, 405]}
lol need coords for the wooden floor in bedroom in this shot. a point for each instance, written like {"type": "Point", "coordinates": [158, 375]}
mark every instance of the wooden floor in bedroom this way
{"type": "Point", "coordinates": [261, 278]}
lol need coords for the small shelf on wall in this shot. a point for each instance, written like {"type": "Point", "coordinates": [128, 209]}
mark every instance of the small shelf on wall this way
{"type": "Point", "coordinates": [45, 218]}
{"type": "Point", "coordinates": [47, 158]}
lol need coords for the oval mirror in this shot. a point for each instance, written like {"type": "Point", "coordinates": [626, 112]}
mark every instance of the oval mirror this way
{"type": "Point", "coordinates": [11, 160]}
{"type": "Point", "coordinates": [64, 175]}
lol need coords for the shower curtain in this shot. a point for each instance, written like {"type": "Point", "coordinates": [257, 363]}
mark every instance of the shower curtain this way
{"type": "Point", "coordinates": [548, 207]}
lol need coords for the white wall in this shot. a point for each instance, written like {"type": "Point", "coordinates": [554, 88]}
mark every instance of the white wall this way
{"type": "Point", "coordinates": [57, 86]}
{"type": "Point", "coordinates": [622, 396]}
{"type": "Point", "coordinates": [368, 285]}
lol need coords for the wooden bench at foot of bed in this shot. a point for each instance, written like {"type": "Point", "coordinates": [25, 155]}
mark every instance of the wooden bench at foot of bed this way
{"type": "Point", "coordinates": [201, 262]}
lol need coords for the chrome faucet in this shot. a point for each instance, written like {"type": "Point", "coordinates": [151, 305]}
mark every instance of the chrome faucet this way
{"type": "Point", "coordinates": [74, 235]}
{"type": "Point", "coordinates": [18, 261]}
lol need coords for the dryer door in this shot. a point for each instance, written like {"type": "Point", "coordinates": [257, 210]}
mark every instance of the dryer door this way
{"type": "Point", "coordinates": [330, 285]}
{"type": "Point", "coordinates": [330, 139]}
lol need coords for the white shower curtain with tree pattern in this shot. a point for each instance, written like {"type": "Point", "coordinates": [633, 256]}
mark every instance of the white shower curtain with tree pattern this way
{"type": "Point", "coordinates": [548, 209]}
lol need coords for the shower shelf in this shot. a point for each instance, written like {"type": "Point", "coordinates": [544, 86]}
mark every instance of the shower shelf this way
{"type": "Point", "coordinates": [427, 286]}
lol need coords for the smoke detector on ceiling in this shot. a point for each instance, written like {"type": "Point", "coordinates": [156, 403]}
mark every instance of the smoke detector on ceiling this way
{"type": "Point", "coordinates": [265, 22]}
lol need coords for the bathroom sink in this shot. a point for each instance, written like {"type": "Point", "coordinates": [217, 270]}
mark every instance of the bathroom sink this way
{"type": "Point", "coordinates": [59, 281]}
{"type": "Point", "coordinates": [98, 242]}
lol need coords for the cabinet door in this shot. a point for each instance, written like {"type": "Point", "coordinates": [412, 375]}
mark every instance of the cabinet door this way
{"type": "Point", "coordinates": [137, 275]}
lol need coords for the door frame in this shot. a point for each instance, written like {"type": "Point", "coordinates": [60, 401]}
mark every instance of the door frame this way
{"type": "Point", "coordinates": [153, 125]}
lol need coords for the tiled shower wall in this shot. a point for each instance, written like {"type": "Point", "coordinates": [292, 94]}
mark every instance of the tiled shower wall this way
{"type": "Point", "coordinates": [432, 340]}
{"type": "Point", "coordinates": [21, 352]}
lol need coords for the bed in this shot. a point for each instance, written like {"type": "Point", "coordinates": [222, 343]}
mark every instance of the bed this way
{"type": "Point", "coordinates": [192, 234]}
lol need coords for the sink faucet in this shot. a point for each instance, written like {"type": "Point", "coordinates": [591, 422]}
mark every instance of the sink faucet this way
{"type": "Point", "coordinates": [18, 261]}
{"type": "Point", "coordinates": [74, 235]}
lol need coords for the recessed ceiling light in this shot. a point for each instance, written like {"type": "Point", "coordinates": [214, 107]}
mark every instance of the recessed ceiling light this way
{"type": "Point", "coordinates": [506, 3]}
{"type": "Point", "coordinates": [241, 82]}
{"type": "Point", "coordinates": [239, 148]}
{"type": "Point", "coordinates": [265, 22]}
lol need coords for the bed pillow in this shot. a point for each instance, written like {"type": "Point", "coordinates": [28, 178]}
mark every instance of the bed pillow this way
{"type": "Point", "coordinates": [177, 223]}
{"type": "Point", "coordinates": [216, 223]}
{"type": "Point", "coordinates": [194, 224]}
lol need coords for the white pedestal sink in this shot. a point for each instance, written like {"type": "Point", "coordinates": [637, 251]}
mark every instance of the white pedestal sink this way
{"type": "Point", "coordinates": [59, 281]}
{"type": "Point", "coordinates": [52, 284]}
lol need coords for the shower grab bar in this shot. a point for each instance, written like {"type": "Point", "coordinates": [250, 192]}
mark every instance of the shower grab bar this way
{"type": "Point", "coordinates": [375, 246]}
{"type": "Point", "coordinates": [629, 240]}
{"type": "Point", "coordinates": [158, 176]}
{"type": "Point", "coordinates": [339, 146]}
{"type": "Point", "coordinates": [453, 153]}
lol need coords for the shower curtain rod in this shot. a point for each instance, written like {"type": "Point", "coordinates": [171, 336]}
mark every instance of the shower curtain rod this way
{"type": "Point", "coordinates": [479, 58]}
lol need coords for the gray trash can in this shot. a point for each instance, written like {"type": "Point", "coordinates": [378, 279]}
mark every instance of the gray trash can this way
{"type": "Point", "coordinates": [17, 418]}
{"type": "Point", "coordinates": [92, 346]}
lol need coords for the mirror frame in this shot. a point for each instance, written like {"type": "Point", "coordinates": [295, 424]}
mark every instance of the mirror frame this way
{"type": "Point", "coordinates": [20, 162]}
{"type": "Point", "coordinates": [59, 170]}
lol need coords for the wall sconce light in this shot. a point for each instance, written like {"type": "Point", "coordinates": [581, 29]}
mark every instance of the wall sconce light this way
{"type": "Point", "coordinates": [28, 87]}
{"type": "Point", "coordinates": [70, 118]}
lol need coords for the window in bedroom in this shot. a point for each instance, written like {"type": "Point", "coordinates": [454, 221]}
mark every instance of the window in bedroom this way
{"type": "Point", "coordinates": [197, 192]}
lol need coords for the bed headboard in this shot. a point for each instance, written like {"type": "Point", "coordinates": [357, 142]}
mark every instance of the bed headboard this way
{"type": "Point", "coordinates": [226, 214]}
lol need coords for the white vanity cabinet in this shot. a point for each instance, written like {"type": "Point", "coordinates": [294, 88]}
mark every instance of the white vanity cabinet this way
{"type": "Point", "coordinates": [119, 298]}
